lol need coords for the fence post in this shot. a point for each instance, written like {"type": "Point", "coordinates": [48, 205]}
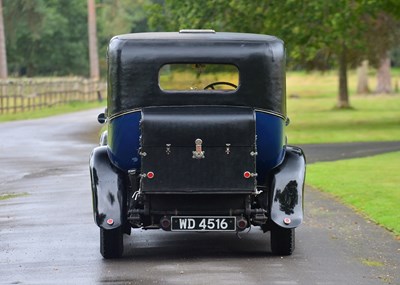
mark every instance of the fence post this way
{"type": "Point", "coordinates": [15, 104]}
{"type": "Point", "coordinates": [3, 94]}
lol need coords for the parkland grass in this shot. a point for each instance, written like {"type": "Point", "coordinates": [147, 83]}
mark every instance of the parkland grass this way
{"type": "Point", "coordinates": [369, 185]}
{"type": "Point", "coordinates": [314, 118]}
{"type": "Point", "coordinates": [5, 196]}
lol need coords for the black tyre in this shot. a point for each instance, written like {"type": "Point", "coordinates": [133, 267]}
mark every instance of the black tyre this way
{"type": "Point", "coordinates": [282, 241]}
{"type": "Point", "coordinates": [111, 243]}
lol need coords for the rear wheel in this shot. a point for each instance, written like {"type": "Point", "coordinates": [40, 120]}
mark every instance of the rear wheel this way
{"type": "Point", "coordinates": [111, 243]}
{"type": "Point", "coordinates": [282, 241]}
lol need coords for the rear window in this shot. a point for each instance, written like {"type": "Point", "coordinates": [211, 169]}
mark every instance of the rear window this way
{"type": "Point", "coordinates": [198, 76]}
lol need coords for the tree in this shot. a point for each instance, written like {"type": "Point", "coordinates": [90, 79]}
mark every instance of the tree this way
{"type": "Point", "coordinates": [362, 74]}
{"type": "Point", "coordinates": [3, 55]}
{"type": "Point", "coordinates": [384, 82]}
{"type": "Point", "coordinates": [93, 53]}
{"type": "Point", "coordinates": [335, 32]}
{"type": "Point", "coordinates": [50, 37]}
{"type": "Point", "coordinates": [46, 37]}
{"type": "Point", "coordinates": [385, 28]}
{"type": "Point", "coordinates": [319, 34]}
{"type": "Point", "coordinates": [116, 17]}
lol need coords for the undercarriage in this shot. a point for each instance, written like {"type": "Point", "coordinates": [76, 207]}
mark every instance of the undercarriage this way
{"type": "Point", "coordinates": [156, 211]}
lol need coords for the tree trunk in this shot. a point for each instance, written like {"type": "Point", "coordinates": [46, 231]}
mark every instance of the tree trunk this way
{"type": "Point", "coordinates": [3, 55]}
{"type": "Point", "coordinates": [362, 74]}
{"type": "Point", "coordinates": [384, 84]}
{"type": "Point", "coordinates": [93, 54]}
{"type": "Point", "coordinates": [343, 100]}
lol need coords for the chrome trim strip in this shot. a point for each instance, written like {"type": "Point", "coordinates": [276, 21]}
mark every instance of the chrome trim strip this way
{"type": "Point", "coordinates": [124, 113]}
{"type": "Point", "coordinates": [271, 113]}
{"type": "Point", "coordinates": [140, 109]}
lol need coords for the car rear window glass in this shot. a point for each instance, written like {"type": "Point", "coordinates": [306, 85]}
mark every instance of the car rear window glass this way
{"type": "Point", "coordinates": [198, 76]}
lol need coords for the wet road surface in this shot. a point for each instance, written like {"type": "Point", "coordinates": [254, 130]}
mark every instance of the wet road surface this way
{"type": "Point", "coordinates": [331, 152]}
{"type": "Point", "coordinates": [47, 236]}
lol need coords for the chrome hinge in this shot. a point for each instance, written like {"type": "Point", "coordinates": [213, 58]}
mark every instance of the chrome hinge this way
{"type": "Point", "coordinates": [228, 150]}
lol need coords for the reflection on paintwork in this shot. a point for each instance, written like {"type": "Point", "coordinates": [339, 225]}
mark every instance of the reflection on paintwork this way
{"type": "Point", "coordinates": [106, 190]}
{"type": "Point", "coordinates": [111, 198]}
{"type": "Point", "coordinates": [95, 176]}
{"type": "Point", "coordinates": [101, 218]}
{"type": "Point", "coordinates": [288, 198]}
{"type": "Point", "coordinates": [124, 145]}
{"type": "Point", "coordinates": [270, 144]}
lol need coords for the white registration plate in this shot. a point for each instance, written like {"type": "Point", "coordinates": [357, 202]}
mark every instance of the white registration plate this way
{"type": "Point", "coordinates": [203, 223]}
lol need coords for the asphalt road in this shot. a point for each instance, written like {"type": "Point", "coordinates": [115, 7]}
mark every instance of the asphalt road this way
{"type": "Point", "coordinates": [47, 236]}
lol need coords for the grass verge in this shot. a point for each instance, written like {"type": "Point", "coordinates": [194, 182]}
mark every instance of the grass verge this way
{"type": "Point", "coordinates": [51, 111]}
{"type": "Point", "coordinates": [5, 196]}
{"type": "Point", "coordinates": [314, 120]}
{"type": "Point", "coordinates": [367, 184]}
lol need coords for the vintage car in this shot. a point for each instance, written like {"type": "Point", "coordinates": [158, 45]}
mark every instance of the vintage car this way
{"type": "Point", "coordinates": [195, 139]}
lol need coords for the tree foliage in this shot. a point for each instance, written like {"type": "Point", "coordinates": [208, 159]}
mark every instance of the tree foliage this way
{"type": "Point", "coordinates": [319, 34]}
{"type": "Point", "coordinates": [315, 31]}
{"type": "Point", "coordinates": [119, 17]}
{"type": "Point", "coordinates": [46, 37]}
{"type": "Point", "coordinates": [49, 37]}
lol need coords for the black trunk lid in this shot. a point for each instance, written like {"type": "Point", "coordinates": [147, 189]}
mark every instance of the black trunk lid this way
{"type": "Point", "coordinates": [198, 149]}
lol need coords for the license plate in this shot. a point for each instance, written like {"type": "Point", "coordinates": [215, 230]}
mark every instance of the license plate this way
{"type": "Point", "coordinates": [203, 223]}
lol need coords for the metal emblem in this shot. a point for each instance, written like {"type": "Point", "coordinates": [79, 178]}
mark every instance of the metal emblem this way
{"type": "Point", "coordinates": [198, 153]}
{"type": "Point", "coordinates": [168, 148]}
{"type": "Point", "coordinates": [228, 150]}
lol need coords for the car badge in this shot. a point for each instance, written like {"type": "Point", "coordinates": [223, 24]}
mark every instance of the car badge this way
{"type": "Point", "coordinates": [198, 153]}
{"type": "Point", "coordinates": [228, 150]}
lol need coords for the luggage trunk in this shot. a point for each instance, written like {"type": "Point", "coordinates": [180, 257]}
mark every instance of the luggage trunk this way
{"type": "Point", "coordinates": [198, 149]}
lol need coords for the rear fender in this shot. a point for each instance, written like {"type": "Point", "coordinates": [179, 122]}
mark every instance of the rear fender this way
{"type": "Point", "coordinates": [107, 190]}
{"type": "Point", "coordinates": [287, 185]}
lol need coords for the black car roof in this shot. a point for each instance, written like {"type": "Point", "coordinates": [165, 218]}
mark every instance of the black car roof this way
{"type": "Point", "coordinates": [134, 61]}
{"type": "Point", "coordinates": [202, 35]}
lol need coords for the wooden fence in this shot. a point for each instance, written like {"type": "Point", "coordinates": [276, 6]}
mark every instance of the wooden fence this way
{"type": "Point", "coordinates": [19, 95]}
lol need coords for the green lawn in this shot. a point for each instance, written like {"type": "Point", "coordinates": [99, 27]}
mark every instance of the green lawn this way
{"type": "Point", "coordinates": [311, 101]}
{"type": "Point", "coordinates": [370, 185]}
{"type": "Point", "coordinates": [374, 118]}
{"type": "Point", "coordinates": [5, 196]}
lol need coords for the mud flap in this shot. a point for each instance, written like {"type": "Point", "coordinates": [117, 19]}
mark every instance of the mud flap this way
{"type": "Point", "coordinates": [107, 193]}
{"type": "Point", "coordinates": [287, 185]}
